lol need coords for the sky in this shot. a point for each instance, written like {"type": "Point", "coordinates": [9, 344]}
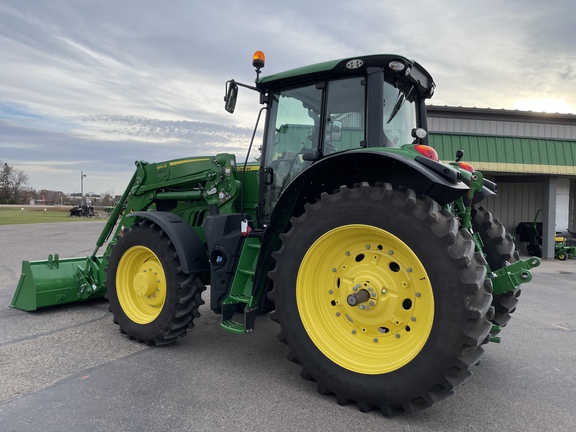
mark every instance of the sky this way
{"type": "Point", "coordinates": [90, 86]}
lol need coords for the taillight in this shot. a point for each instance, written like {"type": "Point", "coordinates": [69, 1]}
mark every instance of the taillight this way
{"type": "Point", "coordinates": [466, 166]}
{"type": "Point", "coordinates": [427, 151]}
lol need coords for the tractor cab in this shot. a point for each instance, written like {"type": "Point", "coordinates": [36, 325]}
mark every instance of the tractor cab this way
{"type": "Point", "coordinates": [332, 107]}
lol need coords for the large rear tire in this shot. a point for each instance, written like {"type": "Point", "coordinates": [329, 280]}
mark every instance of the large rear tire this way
{"type": "Point", "coordinates": [381, 298]}
{"type": "Point", "coordinates": [500, 250]}
{"type": "Point", "coordinates": [152, 300]}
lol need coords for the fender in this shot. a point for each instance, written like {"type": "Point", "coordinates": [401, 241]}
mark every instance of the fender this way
{"type": "Point", "coordinates": [440, 182]}
{"type": "Point", "coordinates": [488, 189]}
{"type": "Point", "coordinates": [189, 247]}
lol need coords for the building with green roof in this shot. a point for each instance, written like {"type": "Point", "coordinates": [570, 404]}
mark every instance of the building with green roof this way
{"type": "Point", "coordinates": [532, 157]}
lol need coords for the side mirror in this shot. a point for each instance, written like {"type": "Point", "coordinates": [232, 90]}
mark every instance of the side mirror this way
{"type": "Point", "coordinates": [231, 96]}
{"type": "Point", "coordinates": [337, 130]}
{"type": "Point", "coordinates": [280, 131]}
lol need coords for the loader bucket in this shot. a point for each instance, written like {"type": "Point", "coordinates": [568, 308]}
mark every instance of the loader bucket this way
{"type": "Point", "coordinates": [56, 281]}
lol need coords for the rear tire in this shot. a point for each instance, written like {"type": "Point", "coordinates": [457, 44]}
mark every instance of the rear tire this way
{"type": "Point", "coordinates": [423, 324]}
{"type": "Point", "coordinates": [151, 299]}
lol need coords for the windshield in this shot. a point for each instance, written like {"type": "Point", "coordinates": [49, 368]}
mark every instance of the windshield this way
{"type": "Point", "coordinates": [399, 116]}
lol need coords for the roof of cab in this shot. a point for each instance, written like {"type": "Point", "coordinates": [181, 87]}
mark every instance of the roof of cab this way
{"type": "Point", "coordinates": [351, 66]}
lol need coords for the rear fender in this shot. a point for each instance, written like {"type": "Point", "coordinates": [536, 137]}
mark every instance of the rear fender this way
{"type": "Point", "coordinates": [190, 249]}
{"type": "Point", "coordinates": [489, 188]}
{"type": "Point", "coordinates": [425, 176]}
{"type": "Point", "coordinates": [441, 182]}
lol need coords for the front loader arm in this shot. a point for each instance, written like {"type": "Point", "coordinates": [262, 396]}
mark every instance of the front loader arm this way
{"type": "Point", "coordinates": [183, 187]}
{"type": "Point", "coordinates": [173, 185]}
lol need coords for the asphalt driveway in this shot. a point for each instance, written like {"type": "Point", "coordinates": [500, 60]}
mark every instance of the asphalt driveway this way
{"type": "Point", "coordinates": [68, 367]}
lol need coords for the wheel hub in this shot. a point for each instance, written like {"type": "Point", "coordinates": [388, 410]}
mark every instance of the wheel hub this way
{"type": "Point", "coordinates": [141, 284]}
{"type": "Point", "coordinates": [358, 297]}
{"type": "Point", "coordinates": [373, 307]}
{"type": "Point", "coordinates": [145, 283]}
{"type": "Point", "coordinates": [376, 312]}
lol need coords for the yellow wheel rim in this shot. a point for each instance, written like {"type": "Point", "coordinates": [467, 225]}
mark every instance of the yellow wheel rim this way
{"type": "Point", "coordinates": [141, 285]}
{"type": "Point", "coordinates": [394, 310]}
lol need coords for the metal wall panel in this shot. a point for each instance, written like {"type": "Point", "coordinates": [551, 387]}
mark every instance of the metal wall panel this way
{"type": "Point", "coordinates": [572, 206]}
{"type": "Point", "coordinates": [509, 154]}
{"type": "Point", "coordinates": [501, 128]}
{"type": "Point", "coordinates": [515, 203]}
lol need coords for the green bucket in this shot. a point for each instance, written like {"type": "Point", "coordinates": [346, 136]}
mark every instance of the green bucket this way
{"type": "Point", "coordinates": [57, 281]}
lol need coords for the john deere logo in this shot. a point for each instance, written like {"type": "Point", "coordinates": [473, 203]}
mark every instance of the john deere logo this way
{"type": "Point", "coordinates": [354, 64]}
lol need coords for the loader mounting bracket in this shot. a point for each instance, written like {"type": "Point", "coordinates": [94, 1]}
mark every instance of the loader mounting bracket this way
{"type": "Point", "coordinates": [509, 277]}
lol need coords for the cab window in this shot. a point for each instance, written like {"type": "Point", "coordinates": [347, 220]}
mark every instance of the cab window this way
{"type": "Point", "coordinates": [294, 129]}
{"type": "Point", "coordinates": [346, 115]}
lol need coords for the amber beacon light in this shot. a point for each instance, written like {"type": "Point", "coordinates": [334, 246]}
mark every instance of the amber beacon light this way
{"type": "Point", "coordinates": [258, 60]}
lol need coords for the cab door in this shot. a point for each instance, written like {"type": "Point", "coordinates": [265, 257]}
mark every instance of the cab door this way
{"type": "Point", "coordinates": [293, 130]}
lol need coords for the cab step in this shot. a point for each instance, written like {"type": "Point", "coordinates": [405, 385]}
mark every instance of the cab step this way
{"type": "Point", "coordinates": [241, 291]}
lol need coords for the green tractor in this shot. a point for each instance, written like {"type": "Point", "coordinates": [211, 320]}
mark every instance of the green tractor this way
{"type": "Point", "coordinates": [384, 273]}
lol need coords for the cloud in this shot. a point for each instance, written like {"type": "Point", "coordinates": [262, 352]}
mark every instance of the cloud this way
{"type": "Point", "coordinates": [109, 145]}
{"type": "Point", "coordinates": [105, 83]}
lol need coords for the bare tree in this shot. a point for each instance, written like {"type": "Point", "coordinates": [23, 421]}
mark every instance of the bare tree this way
{"type": "Point", "coordinates": [12, 182]}
{"type": "Point", "coordinates": [5, 171]}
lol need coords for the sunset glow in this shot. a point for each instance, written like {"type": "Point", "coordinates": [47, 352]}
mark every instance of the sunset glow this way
{"type": "Point", "coordinates": [545, 105]}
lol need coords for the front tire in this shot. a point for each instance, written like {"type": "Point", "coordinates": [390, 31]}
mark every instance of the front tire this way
{"type": "Point", "coordinates": [419, 292]}
{"type": "Point", "coordinates": [151, 299]}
